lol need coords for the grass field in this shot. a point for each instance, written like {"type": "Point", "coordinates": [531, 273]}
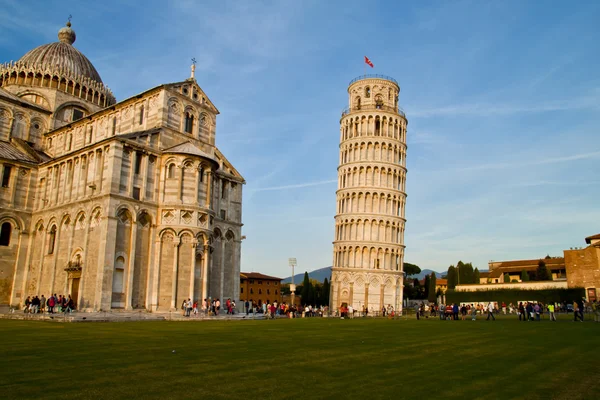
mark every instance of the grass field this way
{"type": "Point", "coordinates": [301, 359]}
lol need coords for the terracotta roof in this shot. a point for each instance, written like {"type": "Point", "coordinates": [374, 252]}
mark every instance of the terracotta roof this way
{"type": "Point", "coordinates": [441, 281]}
{"type": "Point", "coordinates": [525, 263]}
{"type": "Point", "coordinates": [9, 151]}
{"type": "Point", "coordinates": [258, 275]}
{"type": "Point", "coordinates": [589, 239]}
{"type": "Point", "coordinates": [188, 148]}
{"type": "Point", "coordinates": [484, 274]}
{"type": "Point", "coordinates": [498, 272]}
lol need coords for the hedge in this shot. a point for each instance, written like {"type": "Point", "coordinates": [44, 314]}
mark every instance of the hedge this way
{"type": "Point", "coordinates": [515, 295]}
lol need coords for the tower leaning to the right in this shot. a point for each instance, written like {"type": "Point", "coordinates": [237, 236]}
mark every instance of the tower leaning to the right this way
{"type": "Point", "coordinates": [368, 250]}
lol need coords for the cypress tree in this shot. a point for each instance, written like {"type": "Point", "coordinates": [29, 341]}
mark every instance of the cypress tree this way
{"type": "Point", "coordinates": [476, 276]}
{"type": "Point", "coordinates": [426, 286]}
{"type": "Point", "coordinates": [506, 278]}
{"type": "Point", "coordinates": [524, 276]}
{"type": "Point", "coordinates": [305, 289]}
{"type": "Point", "coordinates": [541, 273]}
{"type": "Point", "coordinates": [325, 292]}
{"type": "Point", "coordinates": [432, 285]}
{"type": "Point", "coordinates": [452, 277]}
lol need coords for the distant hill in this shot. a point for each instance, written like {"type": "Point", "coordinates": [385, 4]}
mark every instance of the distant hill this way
{"type": "Point", "coordinates": [426, 272]}
{"type": "Point", "coordinates": [322, 273]}
{"type": "Point", "coordinates": [318, 275]}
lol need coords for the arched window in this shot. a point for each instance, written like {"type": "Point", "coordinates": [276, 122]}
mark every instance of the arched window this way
{"type": "Point", "coordinates": [114, 126]}
{"type": "Point", "coordinates": [357, 105]}
{"type": "Point", "coordinates": [189, 122]}
{"type": "Point", "coordinates": [367, 92]}
{"type": "Point", "coordinates": [6, 175]}
{"type": "Point", "coordinates": [91, 133]}
{"type": "Point", "coordinates": [52, 240]}
{"type": "Point", "coordinates": [5, 234]}
{"type": "Point", "coordinates": [141, 114]}
{"type": "Point", "coordinates": [201, 173]}
{"type": "Point", "coordinates": [171, 171]}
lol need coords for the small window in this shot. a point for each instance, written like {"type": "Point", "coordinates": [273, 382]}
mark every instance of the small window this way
{"type": "Point", "coordinates": [201, 173]}
{"type": "Point", "coordinates": [223, 189]}
{"type": "Point", "coordinates": [189, 122]}
{"type": "Point", "coordinates": [6, 175]}
{"type": "Point", "coordinates": [259, 291]}
{"type": "Point", "coordinates": [171, 171]}
{"type": "Point", "coordinates": [223, 214]}
{"type": "Point", "coordinates": [114, 126]}
{"type": "Point", "coordinates": [268, 291]}
{"type": "Point", "coordinates": [367, 92]}
{"type": "Point", "coordinates": [136, 193]}
{"type": "Point", "coordinates": [142, 114]}
{"type": "Point", "coordinates": [260, 282]}
{"type": "Point", "coordinates": [90, 135]}
{"type": "Point", "coordinates": [241, 290]}
{"type": "Point", "coordinates": [77, 114]}
{"type": "Point", "coordinates": [275, 291]}
{"type": "Point", "coordinates": [251, 291]}
{"type": "Point", "coordinates": [5, 234]}
{"type": "Point", "coordinates": [138, 162]}
{"type": "Point", "coordinates": [276, 283]}
{"type": "Point", "coordinates": [52, 240]}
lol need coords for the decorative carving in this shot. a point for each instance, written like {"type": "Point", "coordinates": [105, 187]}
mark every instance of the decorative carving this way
{"type": "Point", "coordinates": [186, 217]}
{"type": "Point", "coordinates": [168, 216]}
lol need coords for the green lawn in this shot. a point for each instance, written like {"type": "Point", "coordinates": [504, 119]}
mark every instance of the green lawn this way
{"type": "Point", "coordinates": [301, 359]}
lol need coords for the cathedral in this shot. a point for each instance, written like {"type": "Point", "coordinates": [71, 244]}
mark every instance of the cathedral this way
{"type": "Point", "coordinates": [122, 205]}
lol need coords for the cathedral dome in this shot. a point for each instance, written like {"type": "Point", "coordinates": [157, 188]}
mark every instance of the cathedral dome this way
{"type": "Point", "coordinates": [63, 56]}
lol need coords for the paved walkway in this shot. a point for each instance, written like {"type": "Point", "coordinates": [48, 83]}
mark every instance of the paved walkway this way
{"type": "Point", "coordinates": [122, 316]}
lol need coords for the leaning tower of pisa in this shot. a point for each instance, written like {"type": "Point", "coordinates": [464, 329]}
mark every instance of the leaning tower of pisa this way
{"type": "Point", "coordinates": [368, 250]}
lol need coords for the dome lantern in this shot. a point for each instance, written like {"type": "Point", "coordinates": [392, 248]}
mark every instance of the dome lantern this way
{"type": "Point", "coordinates": [66, 34]}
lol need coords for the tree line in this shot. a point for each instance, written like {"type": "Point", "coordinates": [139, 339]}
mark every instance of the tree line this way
{"type": "Point", "coordinates": [312, 292]}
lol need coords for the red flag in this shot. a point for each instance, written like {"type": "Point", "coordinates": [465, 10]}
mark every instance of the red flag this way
{"type": "Point", "coordinates": [368, 62]}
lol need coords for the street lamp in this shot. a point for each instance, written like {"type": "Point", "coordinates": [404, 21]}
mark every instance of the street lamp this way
{"type": "Point", "coordinates": [292, 263]}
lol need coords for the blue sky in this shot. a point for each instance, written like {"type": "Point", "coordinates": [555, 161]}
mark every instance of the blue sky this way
{"type": "Point", "coordinates": [502, 98]}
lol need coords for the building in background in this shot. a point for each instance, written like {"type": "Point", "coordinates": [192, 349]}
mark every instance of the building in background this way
{"type": "Point", "coordinates": [260, 288]}
{"type": "Point", "coordinates": [120, 204]}
{"type": "Point", "coordinates": [579, 268]}
{"type": "Point", "coordinates": [368, 250]}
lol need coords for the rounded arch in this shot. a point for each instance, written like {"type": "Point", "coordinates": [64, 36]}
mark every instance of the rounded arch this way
{"type": "Point", "coordinates": [167, 233]}
{"type": "Point", "coordinates": [14, 219]}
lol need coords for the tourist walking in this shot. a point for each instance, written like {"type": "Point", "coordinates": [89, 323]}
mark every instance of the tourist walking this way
{"type": "Point", "coordinates": [521, 311]}
{"type": "Point", "coordinates": [455, 311]}
{"type": "Point", "coordinates": [551, 312]}
{"type": "Point", "coordinates": [473, 313]}
{"type": "Point", "coordinates": [576, 312]}
{"type": "Point", "coordinates": [42, 304]}
{"type": "Point", "coordinates": [490, 308]}
{"type": "Point", "coordinates": [536, 310]}
{"type": "Point", "coordinates": [529, 311]}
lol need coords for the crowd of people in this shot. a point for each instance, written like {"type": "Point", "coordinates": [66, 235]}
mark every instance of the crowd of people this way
{"type": "Point", "coordinates": [526, 310]}
{"type": "Point", "coordinates": [51, 305]}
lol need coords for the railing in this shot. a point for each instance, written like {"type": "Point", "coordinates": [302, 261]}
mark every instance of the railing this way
{"type": "Point", "coordinates": [369, 76]}
{"type": "Point", "coordinates": [369, 107]}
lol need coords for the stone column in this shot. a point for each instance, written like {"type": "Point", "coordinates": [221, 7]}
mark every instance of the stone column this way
{"type": "Point", "coordinates": [132, 156]}
{"type": "Point", "coordinates": [209, 184]}
{"type": "Point", "coordinates": [381, 296]}
{"type": "Point", "coordinates": [28, 261]}
{"type": "Point", "coordinates": [144, 168]}
{"type": "Point", "coordinates": [150, 267]}
{"type": "Point", "coordinates": [131, 269]}
{"type": "Point", "coordinates": [367, 284]}
{"type": "Point", "coordinates": [55, 254]}
{"type": "Point", "coordinates": [222, 280]}
{"type": "Point", "coordinates": [351, 295]}
{"type": "Point", "coordinates": [205, 272]}
{"type": "Point", "coordinates": [156, 279]}
{"type": "Point", "coordinates": [192, 269]}
{"type": "Point", "coordinates": [42, 255]}
{"type": "Point", "coordinates": [105, 267]}
{"type": "Point", "coordinates": [16, 267]}
{"type": "Point", "coordinates": [175, 268]}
